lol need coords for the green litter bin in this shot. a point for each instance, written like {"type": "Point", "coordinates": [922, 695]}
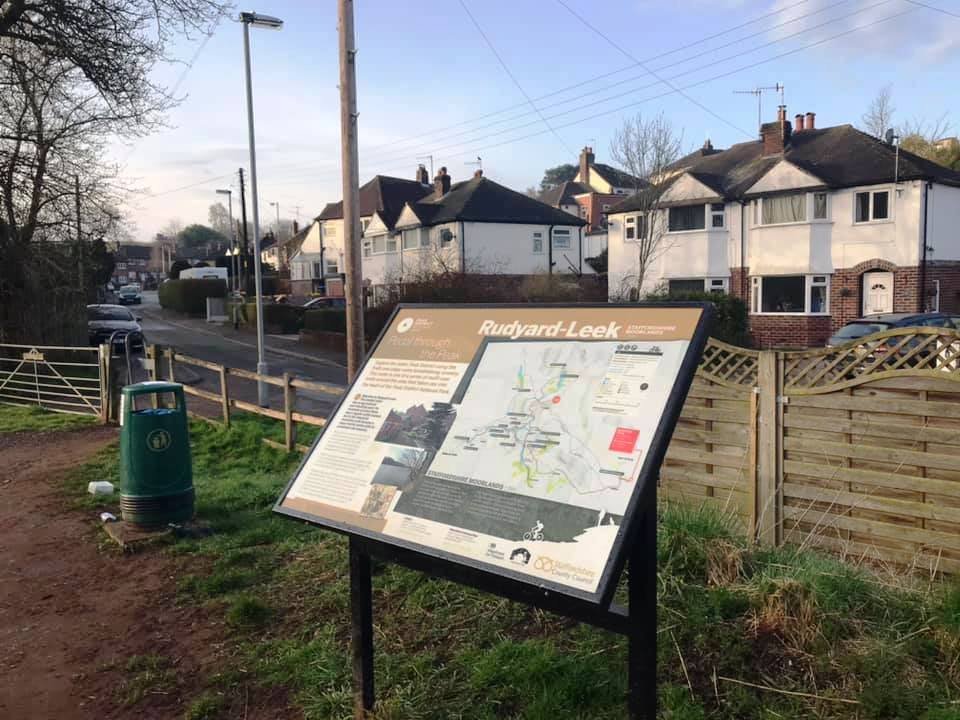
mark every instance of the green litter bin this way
{"type": "Point", "coordinates": [156, 470]}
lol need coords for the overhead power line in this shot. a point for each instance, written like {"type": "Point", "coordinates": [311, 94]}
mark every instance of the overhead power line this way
{"type": "Point", "coordinates": [592, 80]}
{"type": "Point", "coordinates": [405, 153]}
{"type": "Point", "coordinates": [516, 82]}
{"type": "Point", "coordinates": [187, 187]}
{"type": "Point", "coordinates": [713, 78]}
{"type": "Point", "coordinates": [933, 7]}
{"type": "Point", "coordinates": [646, 67]}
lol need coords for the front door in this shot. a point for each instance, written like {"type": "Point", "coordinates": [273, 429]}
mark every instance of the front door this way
{"type": "Point", "coordinates": [877, 292]}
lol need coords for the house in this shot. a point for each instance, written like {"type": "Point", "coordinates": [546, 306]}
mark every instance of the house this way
{"type": "Point", "coordinates": [476, 227]}
{"type": "Point", "coordinates": [593, 191]}
{"type": "Point", "coordinates": [811, 226]}
{"type": "Point", "coordinates": [132, 263]}
{"type": "Point", "coordinates": [321, 253]}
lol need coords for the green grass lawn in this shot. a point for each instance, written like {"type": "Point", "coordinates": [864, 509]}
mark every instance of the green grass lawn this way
{"type": "Point", "coordinates": [19, 418]}
{"type": "Point", "coordinates": [745, 632]}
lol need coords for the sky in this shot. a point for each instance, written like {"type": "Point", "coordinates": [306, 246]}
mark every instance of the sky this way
{"type": "Point", "coordinates": [429, 83]}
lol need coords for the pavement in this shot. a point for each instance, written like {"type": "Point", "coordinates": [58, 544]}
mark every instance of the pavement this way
{"type": "Point", "coordinates": [223, 345]}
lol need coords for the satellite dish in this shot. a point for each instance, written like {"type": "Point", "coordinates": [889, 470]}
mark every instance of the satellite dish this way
{"type": "Point", "coordinates": [446, 235]}
{"type": "Point", "coordinates": [889, 137]}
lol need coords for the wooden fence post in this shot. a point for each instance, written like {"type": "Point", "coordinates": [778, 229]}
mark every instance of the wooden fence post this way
{"type": "Point", "coordinates": [106, 387]}
{"type": "Point", "coordinates": [289, 401]}
{"type": "Point", "coordinates": [151, 354]}
{"type": "Point", "coordinates": [224, 396]}
{"type": "Point", "coordinates": [767, 486]}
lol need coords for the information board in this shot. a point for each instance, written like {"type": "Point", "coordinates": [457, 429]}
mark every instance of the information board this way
{"type": "Point", "coordinates": [513, 439]}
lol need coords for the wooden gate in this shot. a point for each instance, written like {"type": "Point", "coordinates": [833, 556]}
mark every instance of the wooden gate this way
{"type": "Point", "coordinates": [61, 379]}
{"type": "Point", "coordinates": [855, 449]}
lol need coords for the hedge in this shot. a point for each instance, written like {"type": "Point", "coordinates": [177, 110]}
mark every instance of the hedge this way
{"type": "Point", "coordinates": [190, 296]}
{"type": "Point", "coordinates": [729, 319]}
{"type": "Point", "coordinates": [288, 318]}
{"type": "Point", "coordinates": [326, 320]}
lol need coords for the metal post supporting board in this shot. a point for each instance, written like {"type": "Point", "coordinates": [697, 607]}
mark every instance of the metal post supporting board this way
{"type": "Point", "coordinates": [361, 616]}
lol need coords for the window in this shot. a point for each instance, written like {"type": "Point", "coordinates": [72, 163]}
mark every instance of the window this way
{"type": "Point", "coordinates": [699, 285]}
{"type": "Point", "coordinates": [391, 243]}
{"type": "Point", "coordinates": [807, 294]}
{"type": "Point", "coordinates": [685, 286]}
{"type": "Point", "coordinates": [316, 271]}
{"type": "Point", "coordinates": [630, 228]}
{"type": "Point", "coordinates": [561, 238]}
{"type": "Point", "coordinates": [364, 224]}
{"type": "Point", "coordinates": [538, 243]}
{"type": "Point", "coordinates": [331, 264]}
{"type": "Point", "coordinates": [820, 206]}
{"type": "Point", "coordinates": [687, 217]}
{"type": "Point", "coordinates": [783, 209]}
{"type": "Point", "coordinates": [411, 239]}
{"type": "Point", "coordinates": [605, 207]}
{"type": "Point", "coordinates": [871, 206]}
{"type": "Point", "coordinates": [379, 245]}
{"type": "Point", "coordinates": [424, 237]}
{"type": "Point", "coordinates": [716, 215]}
{"type": "Point", "coordinates": [366, 248]}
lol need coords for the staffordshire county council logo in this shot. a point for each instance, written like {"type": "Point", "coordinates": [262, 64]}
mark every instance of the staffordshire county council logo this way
{"type": "Point", "coordinates": [158, 440]}
{"type": "Point", "coordinates": [404, 325]}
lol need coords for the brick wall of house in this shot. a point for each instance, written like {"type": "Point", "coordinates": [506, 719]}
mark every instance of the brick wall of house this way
{"type": "Point", "coordinates": [594, 203]}
{"type": "Point", "coordinates": [793, 331]}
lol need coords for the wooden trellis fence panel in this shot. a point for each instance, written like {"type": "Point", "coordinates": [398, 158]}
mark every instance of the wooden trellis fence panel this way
{"type": "Point", "coordinates": [855, 449]}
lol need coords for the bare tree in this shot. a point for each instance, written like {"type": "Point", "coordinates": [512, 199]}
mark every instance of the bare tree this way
{"type": "Point", "coordinates": [218, 217]}
{"type": "Point", "coordinates": [645, 147]}
{"type": "Point", "coordinates": [113, 43]}
{"type": "Point", "coordinates": [879, 115]}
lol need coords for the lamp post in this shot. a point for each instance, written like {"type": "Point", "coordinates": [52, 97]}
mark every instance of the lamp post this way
{"type": "Point", "coordinates": [233, 239]}
{"type": "Point", "coordinates": [277, 206]}
{"type": "Point", "coordinates": [270, 23]}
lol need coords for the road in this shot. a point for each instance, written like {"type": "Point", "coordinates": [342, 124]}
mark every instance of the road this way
{"type": "Point", "coordinates": [238, 349]}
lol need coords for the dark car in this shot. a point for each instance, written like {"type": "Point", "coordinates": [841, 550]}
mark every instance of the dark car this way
{"type": "Point", "coordinates": [870, 324]}
{"type": "Point", "coordinates": [105, 320]}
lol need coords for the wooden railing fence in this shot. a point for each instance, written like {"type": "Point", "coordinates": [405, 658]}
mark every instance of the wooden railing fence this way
{"type": "Point", "coordinates": [162, 363]}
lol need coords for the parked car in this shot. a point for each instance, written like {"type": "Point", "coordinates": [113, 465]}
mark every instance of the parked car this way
{"type": "Point", "coordinates": [869, 324]}
{"type": "Point", "coordinates": [324, 302]}
{"type": "Point", "coordinates": [105, 320]}
{"type": "Point", "coordinates": [129, 295]}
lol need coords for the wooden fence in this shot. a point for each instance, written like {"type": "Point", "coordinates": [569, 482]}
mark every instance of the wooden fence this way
{"type": "Point", "coordinates": [855, 449]}
{"type": "Point", "coordinates": [163, 362]}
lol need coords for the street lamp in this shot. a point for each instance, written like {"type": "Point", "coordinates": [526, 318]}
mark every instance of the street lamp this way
{"type": "Point", "coordinates": [277, 206]}
{"type": "Point", "coordinates": [270, 23]}
{"type": "Point", "coordinates": [233, 239]}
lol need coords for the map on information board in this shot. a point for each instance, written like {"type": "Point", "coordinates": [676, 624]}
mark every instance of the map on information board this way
{"type": "Point", "coordinates": [511, 439]}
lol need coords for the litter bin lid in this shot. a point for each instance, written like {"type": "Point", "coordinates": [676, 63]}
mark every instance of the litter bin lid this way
{"type": "Point", "coordinates": [152, 386]}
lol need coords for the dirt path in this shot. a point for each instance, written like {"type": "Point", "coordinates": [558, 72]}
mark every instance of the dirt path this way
{"type": "Point", "coordinates": [73, 613]}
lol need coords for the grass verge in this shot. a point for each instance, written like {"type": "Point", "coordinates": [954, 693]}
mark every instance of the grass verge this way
{"type": "Point", "coordinates": [745, 632]}
{"type": "Point", "coordinates": [20, 418]}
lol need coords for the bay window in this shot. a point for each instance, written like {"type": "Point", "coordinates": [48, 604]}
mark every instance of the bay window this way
{"type": "Point", "coordinates": [687, 217]}
{"type": "Point", "coordinates": [794, 294]}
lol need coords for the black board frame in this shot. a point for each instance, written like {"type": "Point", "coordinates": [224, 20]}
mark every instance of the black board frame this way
{"type": "Point", "coordinates": [636, 543]}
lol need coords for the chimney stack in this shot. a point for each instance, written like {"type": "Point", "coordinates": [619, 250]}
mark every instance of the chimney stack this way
{"type": "Point", "coordinates": [810, 118]}
{"type": "Point", "coordinates": [296, 227]}
{"type": "Point", "coordinates": [586, 160]}
{"type": "Point", "coordinates": [478, 173]}
{"type": "Point", "coordinates": [776, 135]}
{"type": "Point", "coordinates": [422, 176]}
{"type": "Point", "coordinates": [441, 183]}
{"type": "Point", "coordinates": [798, 122]}
{"type": "Point", "coordinates": [707, 145]}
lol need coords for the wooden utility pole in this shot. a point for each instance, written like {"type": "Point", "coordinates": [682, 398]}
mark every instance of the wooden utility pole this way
{"type": "Point", "coordinates": [351, 187]}
{"type": "Point", "coordinates": [76, 193]}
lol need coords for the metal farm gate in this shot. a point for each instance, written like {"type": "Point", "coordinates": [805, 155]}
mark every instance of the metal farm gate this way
{"type": "Point", "coordinates": [61, 379]}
